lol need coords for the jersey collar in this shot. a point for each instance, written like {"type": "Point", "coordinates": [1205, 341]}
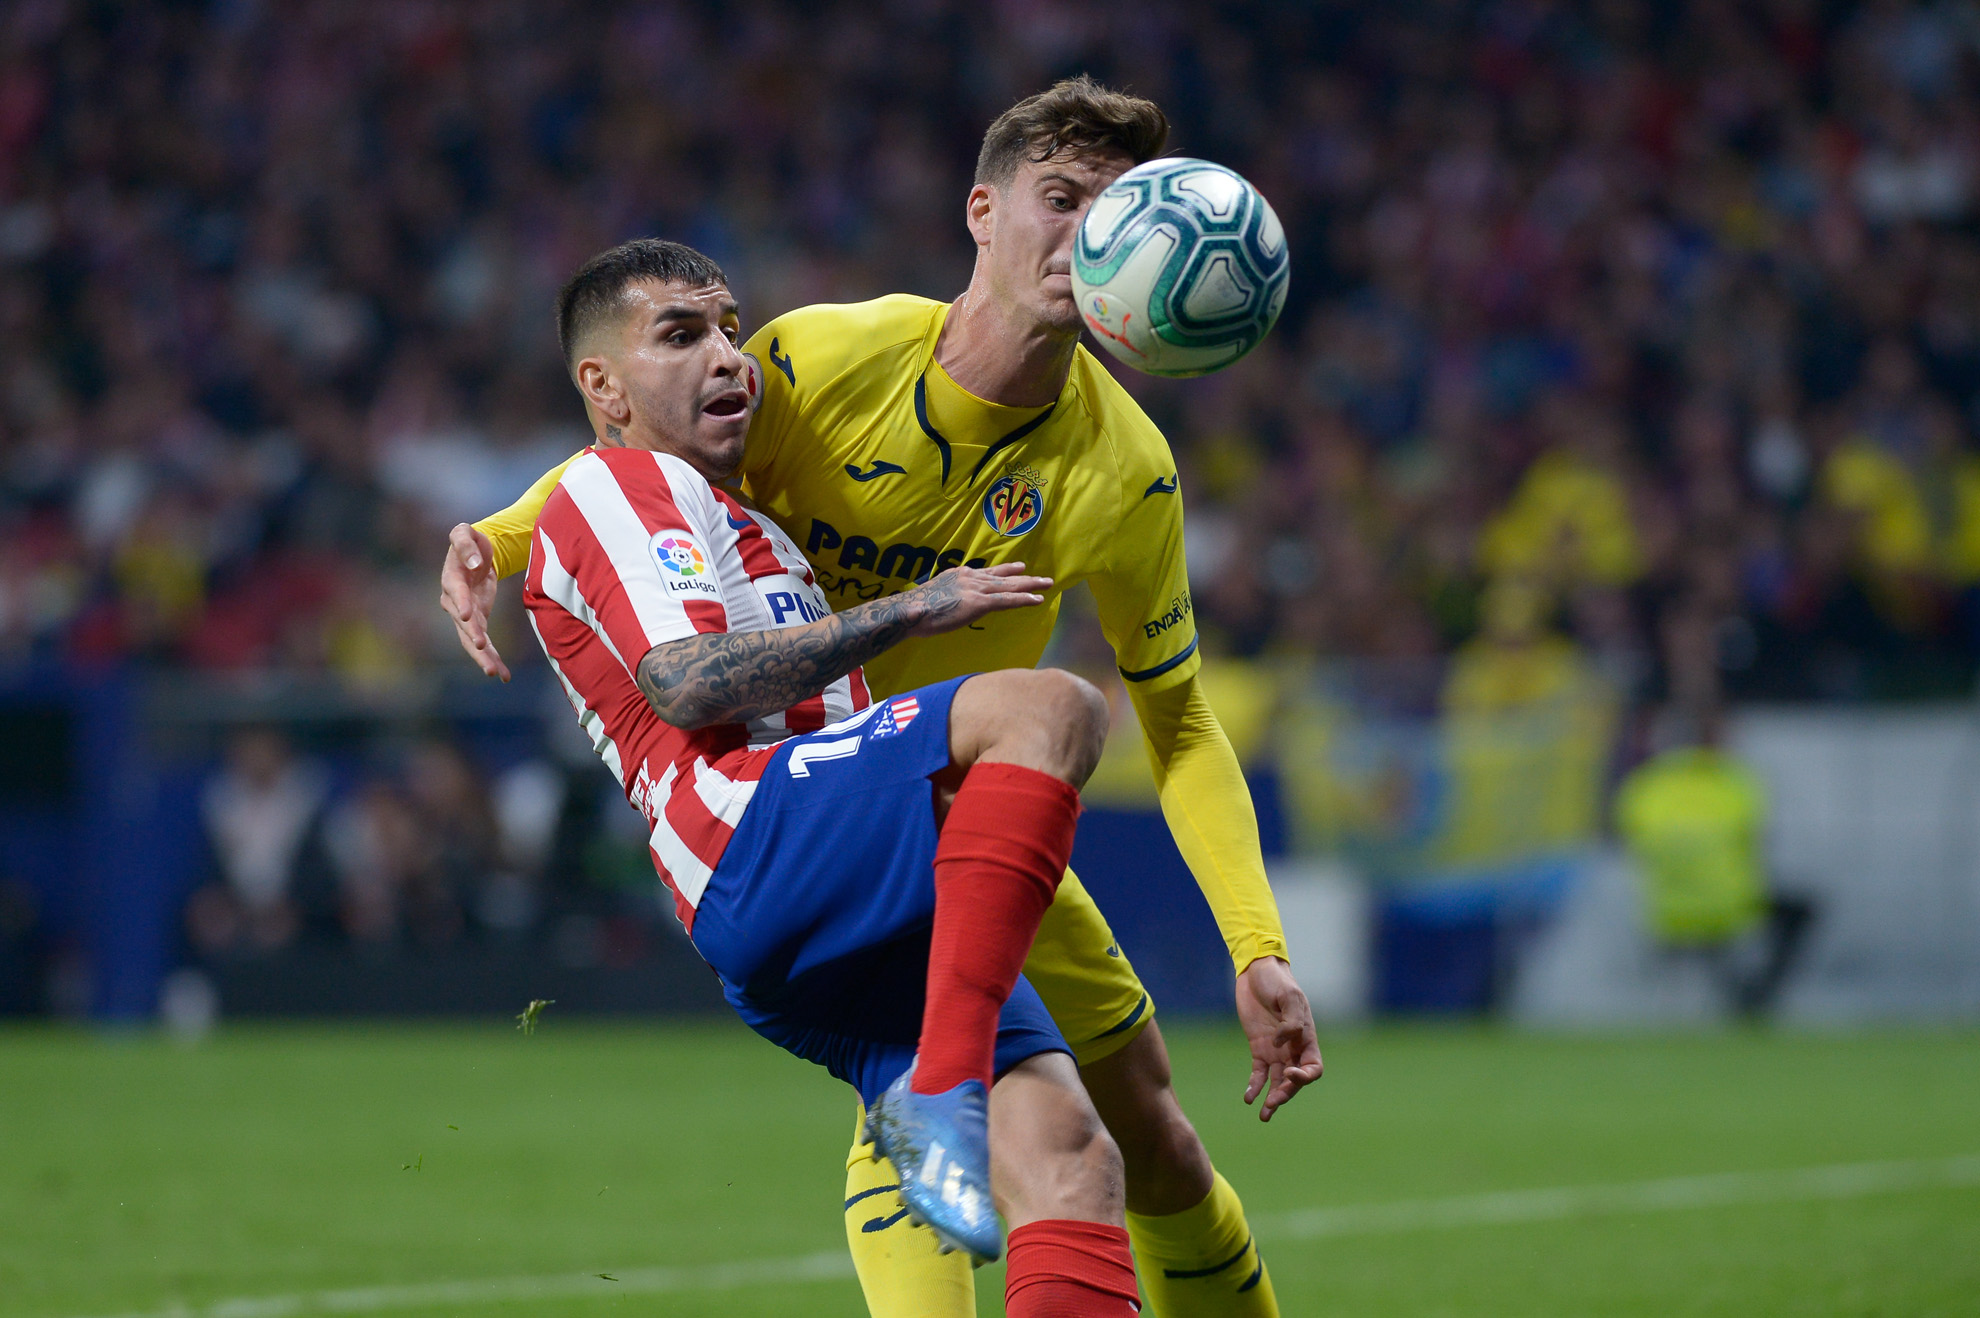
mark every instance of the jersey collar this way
{"type": "Point", "coordinates": [936, 437]}
{"type": "Point", "coordinates": [1008, 439]}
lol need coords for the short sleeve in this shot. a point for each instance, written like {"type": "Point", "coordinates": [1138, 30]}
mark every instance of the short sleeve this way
{"type": "Point", "coordinates": [1143, 592]}
{"type": "Point", "coordinates": [628, 557]}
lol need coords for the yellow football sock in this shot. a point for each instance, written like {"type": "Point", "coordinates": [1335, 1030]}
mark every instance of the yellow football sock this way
{"type": "Point", "coordinates": [899, 1268]}
{"type": "Point", "coordinates": [1201, 1262]}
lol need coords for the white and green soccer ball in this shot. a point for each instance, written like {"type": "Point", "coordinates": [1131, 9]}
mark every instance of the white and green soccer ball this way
{"type": "Point", "coordinates": [1180, 267]}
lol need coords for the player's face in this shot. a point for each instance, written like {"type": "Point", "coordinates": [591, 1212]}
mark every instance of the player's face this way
{"type": "Point", "coordinates": [1031, 225]}
{"type": "Point", "coordinates": [682, 372]}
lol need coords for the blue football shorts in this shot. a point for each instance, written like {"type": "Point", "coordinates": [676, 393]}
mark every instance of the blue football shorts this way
{"type": "Point", "coordinates": [818, 917]}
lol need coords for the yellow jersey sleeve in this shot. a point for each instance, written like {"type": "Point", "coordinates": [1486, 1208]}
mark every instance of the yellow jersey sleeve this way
{"type": "Point", "coordinates": [509, 530]}
{"type": "Point", "coordinates": [1142, 589]}
{"type": "Point", "coordinates": [1209, 812]}
{"type": "Point", "coordinates": [1142, 594]}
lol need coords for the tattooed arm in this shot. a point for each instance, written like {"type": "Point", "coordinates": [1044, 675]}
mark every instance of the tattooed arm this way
{"type": "Point", "coordinates": [732, 677]}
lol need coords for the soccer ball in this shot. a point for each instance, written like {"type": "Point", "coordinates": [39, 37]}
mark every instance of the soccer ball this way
{"type": "Point", "coordinates": [1180, 267]}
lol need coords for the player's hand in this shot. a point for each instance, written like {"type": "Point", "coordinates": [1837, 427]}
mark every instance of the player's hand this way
{"type": "Point", "coordinates": [467, 593]}
{"type": "Point", "coordinates": [1278, 1023]}
{"type": "Point", "coordinates": [960, 596]}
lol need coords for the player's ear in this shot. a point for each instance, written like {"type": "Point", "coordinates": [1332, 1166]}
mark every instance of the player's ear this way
{"type": "Point", "coordinates": [602, 390]}
{"type": "Point", "coordinates": [977, 211]}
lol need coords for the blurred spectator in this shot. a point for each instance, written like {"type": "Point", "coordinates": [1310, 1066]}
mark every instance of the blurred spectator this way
{"type": "Point", "coordinates": [375, 844]}
{"type": "Point", "coordinates": [1516, 662]}
{"type": "Point", "coordinates": [1529, 724]}
{"type": "Point", "coordinates": [1569, 519]}
{"type": "Point", "coordinates": [458, 844]}
{"type": "Point", "coordinates": [429, 853]}
{"type": "Point", "coordinates": [1694, 819]}
{"type": "Point", "coordinates": [263, 815]}
{"type": "Point", "coordinates": [528, 802]}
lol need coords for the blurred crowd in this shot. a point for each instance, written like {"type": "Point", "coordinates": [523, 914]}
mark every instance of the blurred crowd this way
{"type": "Point", "coordinates": [1648, 331]}
{"type": "Point", "coordinates": [415, 845]}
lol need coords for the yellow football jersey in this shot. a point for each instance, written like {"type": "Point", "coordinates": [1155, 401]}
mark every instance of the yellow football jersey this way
{"type": "Point", "coordinates": [885, 471]}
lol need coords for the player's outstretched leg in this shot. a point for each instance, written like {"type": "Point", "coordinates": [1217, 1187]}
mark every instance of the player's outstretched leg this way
{"type": "Point", "coordinates": [1026, 740]}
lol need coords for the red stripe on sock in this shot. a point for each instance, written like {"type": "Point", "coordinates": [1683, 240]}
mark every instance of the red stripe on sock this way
{"type": "Point", "coordinates": [1002, 852]}
{"type": "Point", "coordinates": [1064, 1269]}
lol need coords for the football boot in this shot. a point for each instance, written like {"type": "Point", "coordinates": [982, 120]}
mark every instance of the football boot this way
{"type": "Point", "coordinates": [940, 1145]}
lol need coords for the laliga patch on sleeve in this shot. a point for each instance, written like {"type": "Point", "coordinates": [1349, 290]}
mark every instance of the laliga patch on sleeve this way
{"type": "Point", "coordinates": [753, 380]}
{"type": "Point", "coordinates": [684, 565]}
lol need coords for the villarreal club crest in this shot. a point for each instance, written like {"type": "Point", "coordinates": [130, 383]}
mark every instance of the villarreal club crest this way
{"type": "Point", "coordinates": [1014, 504]}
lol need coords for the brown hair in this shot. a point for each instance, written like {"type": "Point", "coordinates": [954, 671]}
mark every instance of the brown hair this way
{"type": "Point", "coordinates": [597, 292]}
{"type": "Point", "coordinates": [1076, 116]}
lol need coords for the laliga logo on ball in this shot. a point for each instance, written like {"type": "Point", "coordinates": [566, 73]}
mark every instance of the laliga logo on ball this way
{"type": "Point", "coordinates": [1180, 267]}
{"type": "Point", "coordinates": [1108, 320]}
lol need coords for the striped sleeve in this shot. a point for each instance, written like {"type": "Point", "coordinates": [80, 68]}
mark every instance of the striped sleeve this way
{"type": "Point", "coordinates": [623, 555]}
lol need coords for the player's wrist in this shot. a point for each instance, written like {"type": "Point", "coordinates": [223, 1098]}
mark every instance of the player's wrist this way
{"type": "Point", "coordinates": [1260, 947]}
{"type": "Point", "coordinates": [1269, 973]}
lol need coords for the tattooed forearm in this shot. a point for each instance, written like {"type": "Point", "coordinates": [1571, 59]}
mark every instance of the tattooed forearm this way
{"type": "Point", "coordinates": [732, 677]}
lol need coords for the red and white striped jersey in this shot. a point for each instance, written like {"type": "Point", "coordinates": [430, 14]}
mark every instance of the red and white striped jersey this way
{"type": "Point", "coordinates": [635, 549]}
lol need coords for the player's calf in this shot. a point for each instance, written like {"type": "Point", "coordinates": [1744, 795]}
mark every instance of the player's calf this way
{"type": "Point", "coordinates": [1168, 1168]}
{"type": "Point", "coordinates": [1051, 1155]}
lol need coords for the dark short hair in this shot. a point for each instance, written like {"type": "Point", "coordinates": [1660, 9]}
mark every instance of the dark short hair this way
{"type": "Point", "coordinates": [1074, 117]}
{"type": "Point", "coordinates": [598, 290]}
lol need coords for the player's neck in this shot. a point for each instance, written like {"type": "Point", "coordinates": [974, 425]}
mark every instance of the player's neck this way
{"type": "Point", "coordinates": [1002, 354]}
{"type": "Point", "coordinates": [638, 437]}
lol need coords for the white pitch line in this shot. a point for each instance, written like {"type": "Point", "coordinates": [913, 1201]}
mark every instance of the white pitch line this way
{"type": "Point", "coordinates": [1799, 1185]}
{"type": "Point", "coordinates": [503, 1290]}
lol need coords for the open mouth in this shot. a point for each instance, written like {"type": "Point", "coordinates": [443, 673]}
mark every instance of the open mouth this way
{"type": "Point", "coordinates": [727, 405]}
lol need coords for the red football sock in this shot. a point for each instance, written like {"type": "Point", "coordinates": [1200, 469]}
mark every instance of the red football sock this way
{"type": "Point", "coordinates": [1066, 1269]}
{"type": "Point", "coordinates": [1003, 850]}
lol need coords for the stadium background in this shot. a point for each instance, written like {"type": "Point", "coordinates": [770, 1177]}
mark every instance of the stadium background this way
{"type": "Point", "coordinates": [1631, 369]}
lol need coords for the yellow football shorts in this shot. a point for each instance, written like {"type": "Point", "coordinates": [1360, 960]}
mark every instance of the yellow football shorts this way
{"type": "Point", "coordinates": [1094, 995]}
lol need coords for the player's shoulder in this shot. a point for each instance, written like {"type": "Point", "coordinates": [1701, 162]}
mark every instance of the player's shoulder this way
{"type": "Point", "coordinates": [1137, 444]}
{"type": "Point", "coordinates": [638, 473]}
{"type": "Point", "coordinates": [813, 345]}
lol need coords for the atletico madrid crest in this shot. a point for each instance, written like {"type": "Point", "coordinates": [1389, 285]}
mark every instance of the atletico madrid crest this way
{"type": "Point", "coordinates": [898, 713]}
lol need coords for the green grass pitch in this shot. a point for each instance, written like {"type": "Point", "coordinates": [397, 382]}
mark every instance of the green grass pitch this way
{"type": "Point", "coordinates": [276, 1164]}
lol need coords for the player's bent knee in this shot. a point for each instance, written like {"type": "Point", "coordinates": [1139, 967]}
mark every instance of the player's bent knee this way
{"type": "Point", "coordinates": [1074, 714]}
{"type": "Point", "coordinates": [1046, 719]}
